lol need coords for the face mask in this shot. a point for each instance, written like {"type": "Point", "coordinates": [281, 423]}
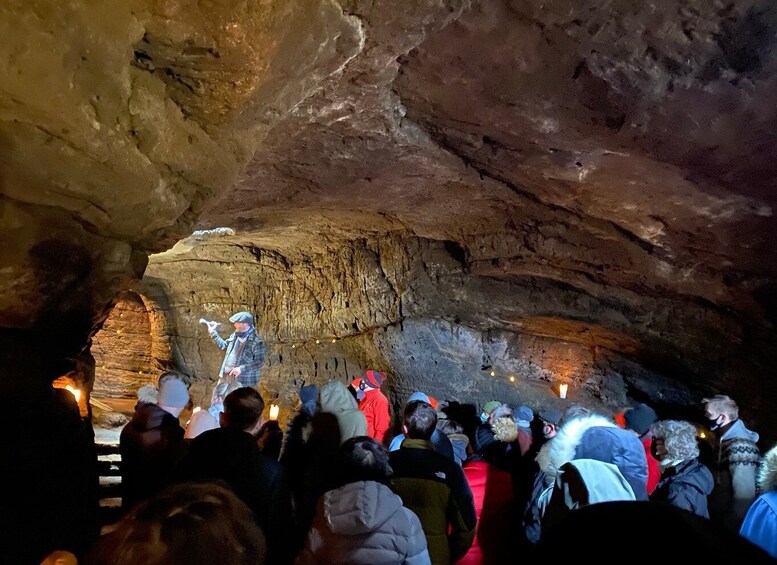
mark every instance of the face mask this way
{"type": "Point", "coordinates": [483, 417]}
{"type": "Point", "coordinates": [714, 425]}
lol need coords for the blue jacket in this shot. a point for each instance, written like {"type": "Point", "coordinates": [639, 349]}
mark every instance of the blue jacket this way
{"type": "Point", "coordinates": [760, 525]}
{"type": "Point", "coordinates": [621, 448]}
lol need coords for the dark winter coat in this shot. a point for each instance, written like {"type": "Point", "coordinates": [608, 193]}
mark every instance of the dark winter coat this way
{"type": "Point", "coordinates": [151, 445]}
{"type": "Point", "coordinates": [231, 455]}
{"type": "Point", "coordinates": [686, 486]}
{"type": "Point", "coordinates": [435, 488]}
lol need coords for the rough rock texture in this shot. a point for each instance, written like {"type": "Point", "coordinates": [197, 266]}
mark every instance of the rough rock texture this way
{"type": "Point", "coordinates": [563, 190]}
{"type": "Point", "coordinates": [541, 173]}
{"type": "Point", "coordinates": [122, 350]}
{"type": "Point", "coordinates": [118, 122]}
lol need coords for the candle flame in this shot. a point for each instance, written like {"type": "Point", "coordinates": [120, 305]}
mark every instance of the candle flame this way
{"type": "Point", "coordinates": [74, 391]}
{"type": "Point", "coordinates": [274, 409]}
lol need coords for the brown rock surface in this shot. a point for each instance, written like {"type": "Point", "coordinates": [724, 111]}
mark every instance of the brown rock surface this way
{"type": "Point", "coordinates": [550, 190]}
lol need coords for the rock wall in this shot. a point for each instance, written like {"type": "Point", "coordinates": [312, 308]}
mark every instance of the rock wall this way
{"type": "Point", "coordinates": [122, 350]}
{"type": "Point", "coordinates": [410, 306]}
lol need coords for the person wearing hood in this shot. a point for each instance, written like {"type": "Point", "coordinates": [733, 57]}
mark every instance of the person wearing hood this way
{"type": "Point", "coordinates": [152, 443]}
{"type": "Point", "coordinates": [244, 355]}
{"type": "Point", "coordinates": [362, 521]}
{"type": "Point", "coordinates": [593, 461]}
{"type": "Point", "coordinates": [685, 482]}
{"type": "Point", "coordinates": [336, 401]}
{"type": "Point", "coordinates": [760, 524]}
{"type": "Point", "coordinates": [337, 420]}
{"type": "Point", "coordinates": [737, 461]}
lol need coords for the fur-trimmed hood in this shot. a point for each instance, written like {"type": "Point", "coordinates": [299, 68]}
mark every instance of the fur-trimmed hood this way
{"type": "Point", "coordinates": [563, 445]}
{"type": "Point", "coordinates": [767, 476]}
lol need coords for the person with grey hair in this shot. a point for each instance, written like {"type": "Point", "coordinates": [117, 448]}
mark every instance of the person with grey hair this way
{"type": "Point", "coordinates": [685, 482]}
{"type": "Point", "coordinates": [736, 465]}
{"type": "Point", "coordinates": [363, 521]}
{"type": "Point", "coordinates": [244, 355]}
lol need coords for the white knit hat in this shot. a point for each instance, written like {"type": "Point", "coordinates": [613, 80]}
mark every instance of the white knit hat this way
{"type": "Point", "coordinates": [173, 393]}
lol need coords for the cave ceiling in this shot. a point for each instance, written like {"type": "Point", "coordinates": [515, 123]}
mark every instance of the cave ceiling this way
{"type": "Point", "coordinates": [617, 158]}
{"type": "Point", "coordinates": [621, 152]}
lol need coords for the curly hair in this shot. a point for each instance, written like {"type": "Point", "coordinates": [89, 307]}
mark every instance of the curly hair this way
{"type": "Point", "coordinates": [505, 429]}
{"type": "Point", "coordinates": [187, 524]}
{"type": "Point", "coordinates": [679, 439]}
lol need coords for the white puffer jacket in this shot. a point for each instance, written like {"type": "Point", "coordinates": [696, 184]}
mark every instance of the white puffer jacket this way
{"type": "Point", "coordinates": [364, 523]}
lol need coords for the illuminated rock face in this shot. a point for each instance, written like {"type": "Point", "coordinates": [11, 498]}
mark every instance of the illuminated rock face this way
{"type": "Point", "coordinates": [554, 190]}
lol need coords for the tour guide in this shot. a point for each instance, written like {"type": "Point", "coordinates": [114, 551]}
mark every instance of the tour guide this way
{"type": "Point", "coordinates": [245, 350]}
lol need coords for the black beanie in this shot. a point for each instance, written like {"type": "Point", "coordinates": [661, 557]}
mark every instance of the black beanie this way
{"type": "Point", "coordinates": [639, 418]}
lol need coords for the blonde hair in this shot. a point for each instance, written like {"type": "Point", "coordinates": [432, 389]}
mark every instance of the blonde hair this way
{"type": "Point", "coordinates": [187, 524]}
{"type": "Point", "coordinates": [722, 404]}
{"type": "Point", "coordinates": [221, 391]}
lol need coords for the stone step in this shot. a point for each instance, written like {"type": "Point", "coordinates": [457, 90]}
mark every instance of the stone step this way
{"type": "Point", "coordinates": [109, 468]}
{"type": "Point", "coordinates": [113, 502]}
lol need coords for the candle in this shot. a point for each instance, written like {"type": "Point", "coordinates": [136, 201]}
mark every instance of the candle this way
{"type": "Point", "coordinates": [274, 408]}
{"type": "Point", "coordinates": [562, 390]}
{"type": "Point", "coordinates": [75, 392]}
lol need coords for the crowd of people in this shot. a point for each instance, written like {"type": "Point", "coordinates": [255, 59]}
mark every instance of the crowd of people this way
{"type": "Point", "coordinates": [349, 482]}
{"type": "Point", "coordinates": [345, 482]}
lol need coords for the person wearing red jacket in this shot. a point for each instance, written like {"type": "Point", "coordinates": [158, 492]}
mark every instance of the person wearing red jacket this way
{"type": "Point", "coordinates": [375, 406]}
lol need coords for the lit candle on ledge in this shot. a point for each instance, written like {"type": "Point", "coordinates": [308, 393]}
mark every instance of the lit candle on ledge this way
{"type": "Point", "coordinates": [274, 408]}
{"type": "Point", "coordinates": [562, 390]}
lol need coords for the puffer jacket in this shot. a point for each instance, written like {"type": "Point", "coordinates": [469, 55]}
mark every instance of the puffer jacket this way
{"type": "Point", "coordinates": [435, 488]}
{"type": "Point", "coordinates": [596, 437]}
{"type": "Point", "coordinates": [375, 407]}
{"type": "Point", "coordinates": [364, 523]}
{"type": "Point", "coordinates": [687, 486]}
{"type": "Point", "coordinates": [583, 482]}
{"type": "Point", "coordinates": [760, 524]}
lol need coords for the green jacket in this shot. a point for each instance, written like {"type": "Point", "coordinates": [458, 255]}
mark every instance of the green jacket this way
{"type": "Point", "coordinates": [435, 488]}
